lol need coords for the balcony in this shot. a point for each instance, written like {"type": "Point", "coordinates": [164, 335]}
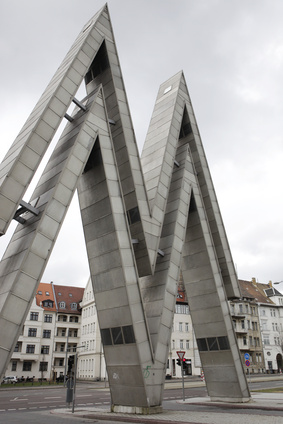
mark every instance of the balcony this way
{"type": "Point", "coordinates": [241, 330]}
{"type": "Point", "coordinates": [238, 315]}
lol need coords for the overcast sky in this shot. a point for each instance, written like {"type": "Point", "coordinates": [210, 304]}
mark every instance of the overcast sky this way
{"type": "Point", "coordinates": [231, 53]}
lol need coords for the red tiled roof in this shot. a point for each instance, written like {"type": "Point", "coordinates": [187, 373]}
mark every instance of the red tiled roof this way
{"type": "Point", "coordinates": [253, 291]}
{"type": "Point", "coordinates": [71, 296]}
{"type": "Point", "coordinates": [45, 292]}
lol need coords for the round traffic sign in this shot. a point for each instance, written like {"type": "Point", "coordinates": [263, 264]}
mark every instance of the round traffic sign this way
{"type": "Point", "coordinates": [247, 362]}
{"type": "Point", "coordinates": [247, 356]}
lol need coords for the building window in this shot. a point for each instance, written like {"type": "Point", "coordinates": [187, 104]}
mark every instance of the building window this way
{"type": "Point", "coordinates": [30, 348]}
{"type": "Point", "coordinates": [249, 324]}
{"type": "Point", "coordinates": [46, 334]}
{"type": "Point", "coordinates": [266, 339]}
{"type": "Point", "coordinates": [47, 318]}
{"type": "Point", "coordinates": [14, 366]}
{"type": "Point", "coordinates": [74, 306]}
{"type": "Point", "coordinates": [33, 316]}
{"type": "Point", "coordinates": [27, 365]}
{"type": "Point", "coordinates": [181, 344]}
{"type": "Point", "coordinates": [74, 319]}
{"type": "Point", "coordinates": [32, 332]}
{"type": "Point", "coordinates": [45, 349]}
{"type": "Point", "coordinates": [62, 305]}
{"type": "Point", "coordinates": [244, 340]}
{"type": "Point", "coordinates": [47, 293]}
{"type": "Point", "coordinates": [43, 366]}
{"type": "Point", "coordinates": [241, 308]}
{"type": "Point", "coordinates": [247, 309]}
{"type": "Point", "coordinates": [48, 303]}
{"type": "Point", "coordinates": [180, 326]}
{"type": "Point", "coordinates": [173, 344]}
{"type": "Point", "coordinates": [75, 333]}
{"type": "Point", "coordinates": [262, 312]}
{"type": "Point", "coordinates": [18, 347]}
{"type": "Point", "coordinates": [187, 344]}
{"type": "Point", "coordinates": [264, 325]}
{"type": "Point", "coordinates": [243, 324]}
{"type": "Point", "coordinates": [61, 362]}
{"type": "Point", "coordinates": [186, 327]}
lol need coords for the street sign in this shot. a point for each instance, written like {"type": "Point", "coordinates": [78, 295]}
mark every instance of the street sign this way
{"type": "Point", "coordinates": [181, 354]}
{"type": "Point", "coordinates": [247, 362]}
{"type": "Point", "coordinates": [247, 356]}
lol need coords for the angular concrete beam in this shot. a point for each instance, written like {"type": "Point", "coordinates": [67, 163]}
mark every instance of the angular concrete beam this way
{"type": "Point", "coordinates": [28, 252]}
{"type": "Point", "coordinates": [21, 161]}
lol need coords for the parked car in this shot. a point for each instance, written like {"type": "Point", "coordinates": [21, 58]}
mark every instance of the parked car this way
{"type": "Point", "coordinates": [10, 380]}
{"type": "Point", "coordinates": [60, 379]}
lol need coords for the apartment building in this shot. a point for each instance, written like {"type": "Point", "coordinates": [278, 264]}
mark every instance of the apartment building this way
{"type": "Point", "coordinates": [245, 316]}
{"type": "Point", "coordinates": [91, 363]}
{"type": "Point", "coordinates": [63, 320]}
{"type": "Point", "coordinates": [183, 340]}
{"type": "Point", "coordinates": [50, 332]}
{"type": "Point", "coordinates": [271, 322]}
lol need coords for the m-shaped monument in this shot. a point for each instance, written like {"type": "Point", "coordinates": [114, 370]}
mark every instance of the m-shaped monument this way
{"type": "Point", "coordinates": [145, 220]}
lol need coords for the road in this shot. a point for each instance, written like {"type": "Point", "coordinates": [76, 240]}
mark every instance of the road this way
{"type": "Point", "coordinates": [33, 405]}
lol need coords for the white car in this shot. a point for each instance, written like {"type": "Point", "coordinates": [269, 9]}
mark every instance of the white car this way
{"type": "Point", "coordinates": [10, 380]}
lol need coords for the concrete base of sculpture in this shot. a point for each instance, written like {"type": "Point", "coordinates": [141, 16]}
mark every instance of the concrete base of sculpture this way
{"type": "Point", "coordinates": [136, 409]}
{"type": "Point", "coordinates": [230, 399]}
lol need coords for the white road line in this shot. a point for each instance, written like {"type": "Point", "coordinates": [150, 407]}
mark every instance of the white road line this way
{"type": "Point", "coordinates": [78, 396]}
{"type": "Point", "coordinates": [53, 397]}
{"type": "Point", "coordinates": [11, 409]}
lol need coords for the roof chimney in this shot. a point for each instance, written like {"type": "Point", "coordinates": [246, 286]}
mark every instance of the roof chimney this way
{"type": "Point", "coordinates": [270, 283]}
{"type": "Point", "coordinates": [254, 281]}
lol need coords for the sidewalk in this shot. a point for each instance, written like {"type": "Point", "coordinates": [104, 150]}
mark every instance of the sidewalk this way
{"type": "Point", "coordinates": [212, 413]}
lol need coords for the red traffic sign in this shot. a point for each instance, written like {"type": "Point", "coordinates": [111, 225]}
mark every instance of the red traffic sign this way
{"type": "Point", "coordinates": [181, 354]}
{"type": "Point", "coordinates": [247, 362]}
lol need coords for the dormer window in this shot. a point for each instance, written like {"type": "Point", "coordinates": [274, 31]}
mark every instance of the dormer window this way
{"type": "Point", "coordinates": [74, 306]}
{"type": "Point", "coordinates": [47, 303]}
{"type": "Point", "coordinates": [62, 305]}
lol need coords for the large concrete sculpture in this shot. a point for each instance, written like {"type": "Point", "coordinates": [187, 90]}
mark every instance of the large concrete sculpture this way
{"type": "Point", "coordinates": [144, 221]}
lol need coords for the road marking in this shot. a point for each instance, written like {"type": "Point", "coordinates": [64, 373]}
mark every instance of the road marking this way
{"type": "Point", "coordinates": [21, 409]}
{"type": "Point", "coordinates": [11, 409]}
{"type": "Point", "coordinates": [17, 399]}
{"type": "Point", "coordinates": [77, 396]}
{"type": "Point", "coordinates": [53, 397]}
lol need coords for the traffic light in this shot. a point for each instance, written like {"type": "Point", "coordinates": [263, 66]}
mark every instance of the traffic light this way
{"type": "Point", "coordinates": [179, 362]}
{"type": "Point", "coordinates": [186, 363]}
{"type": "Point", "coordinates": [71, 361]}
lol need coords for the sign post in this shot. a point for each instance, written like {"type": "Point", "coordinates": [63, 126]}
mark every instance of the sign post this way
{"type": "Point", "coordinates": [181, 355]}
{"type": "Point", "coordinates": [248, 363]}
